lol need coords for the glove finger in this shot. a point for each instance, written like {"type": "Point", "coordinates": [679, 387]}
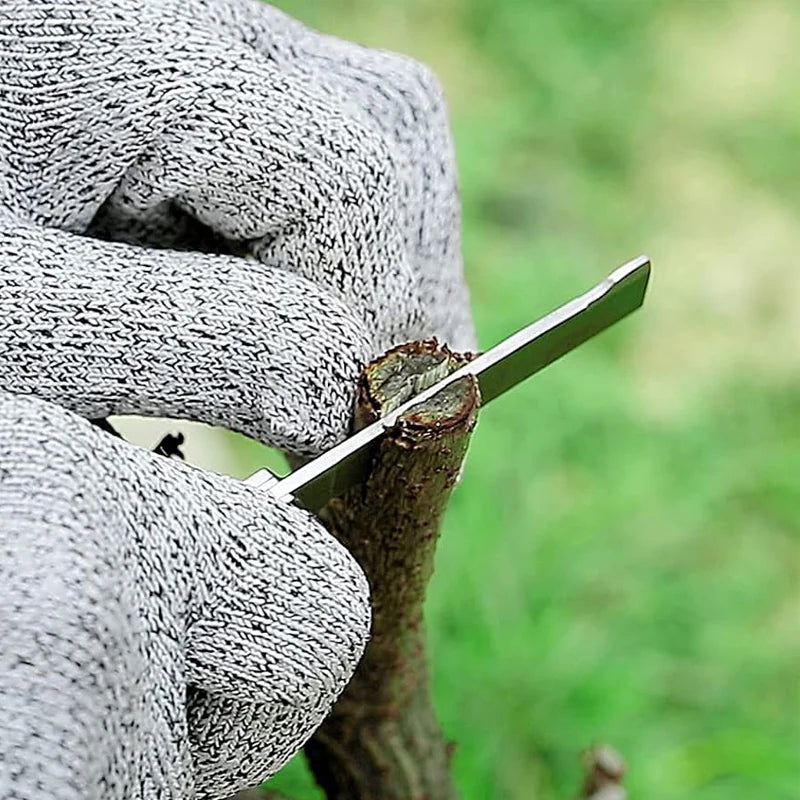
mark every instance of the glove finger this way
{"type": "Point", "coordinates": [238, 744]}
{"type": "Point", "coordinates": [273, 591]}
{"type": "Point", "coordinates": [277, 619]}
{"type": "Point", "coordinates": [269, 158]}
{"type": "Point", "coordinates": [183, 578]}
{"type": "Point", "coordinates": [403, 100]}
{"type": "Point", "coordinates": [107, 328]}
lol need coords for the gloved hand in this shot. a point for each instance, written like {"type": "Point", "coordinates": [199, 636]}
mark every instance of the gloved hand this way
{"type": "Point", "coordinates": [169, 633]}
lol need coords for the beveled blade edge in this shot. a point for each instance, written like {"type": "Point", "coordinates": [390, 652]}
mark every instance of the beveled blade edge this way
{"type": "Point", "coordinates": [514, 359]}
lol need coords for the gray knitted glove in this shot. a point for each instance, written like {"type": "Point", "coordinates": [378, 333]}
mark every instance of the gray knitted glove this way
{"type": "Point", "coordinates": [166, 633]}
{"type": "Point", "coordinates": [169, 633]}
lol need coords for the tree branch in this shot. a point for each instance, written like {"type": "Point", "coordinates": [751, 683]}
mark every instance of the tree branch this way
{"type": "Point", "coordinates": [382, 739]}
{"type": "Point", "coordinates": [604, 770]}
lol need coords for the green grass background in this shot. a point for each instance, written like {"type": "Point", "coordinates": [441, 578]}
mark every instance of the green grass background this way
{"type": "Point", "coordinates": [620, 563]}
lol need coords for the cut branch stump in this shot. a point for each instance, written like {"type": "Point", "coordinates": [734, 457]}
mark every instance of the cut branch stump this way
{"type": "Point", "coordinates": [382, 739]}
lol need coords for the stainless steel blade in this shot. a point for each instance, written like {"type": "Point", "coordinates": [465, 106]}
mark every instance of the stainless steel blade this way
{"type": "Point", "coordinates": [497, 370]}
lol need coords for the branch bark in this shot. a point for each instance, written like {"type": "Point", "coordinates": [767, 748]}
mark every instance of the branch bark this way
{"type": "Point", "coordinates": [382, 739]}
{"type": "Point", "coordinates": [604, 769]}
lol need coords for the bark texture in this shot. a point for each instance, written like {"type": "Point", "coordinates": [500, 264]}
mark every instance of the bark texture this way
{"type": "Point", "coordinates": [382, 739]}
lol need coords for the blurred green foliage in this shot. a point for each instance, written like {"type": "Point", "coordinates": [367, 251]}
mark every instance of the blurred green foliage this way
{"type": "Point", "coordinates": [620, 563]}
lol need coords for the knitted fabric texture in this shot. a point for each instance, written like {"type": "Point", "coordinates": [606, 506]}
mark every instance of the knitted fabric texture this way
{"type": "Point", "coordinates": [127, 577]}
{"type": "Point", "coordinates": [169, 633]}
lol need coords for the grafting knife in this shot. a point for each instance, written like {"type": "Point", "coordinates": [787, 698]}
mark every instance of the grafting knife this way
{"type": "Point", "coordinates": [497, 370]}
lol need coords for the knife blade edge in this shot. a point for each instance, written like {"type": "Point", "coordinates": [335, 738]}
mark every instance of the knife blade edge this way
{"type": "Point", "coordinates": [509, 362]}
